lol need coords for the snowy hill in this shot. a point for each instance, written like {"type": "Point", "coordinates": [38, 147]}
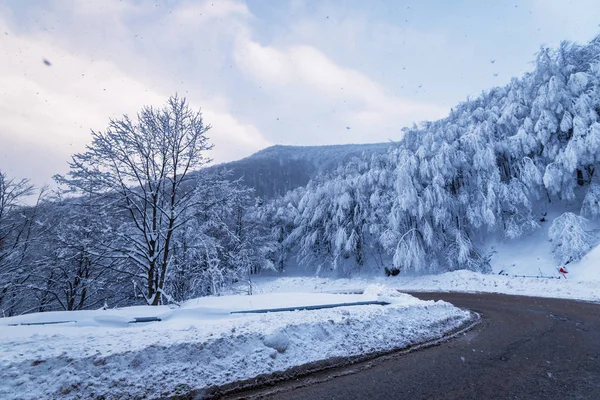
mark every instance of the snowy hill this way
{"type": "Point", "coordinates": [498, 168]}
{"type": "Point", "coordinates": [278, 169]}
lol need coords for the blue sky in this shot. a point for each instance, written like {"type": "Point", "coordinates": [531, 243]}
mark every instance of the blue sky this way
{"type": "Point", "coordinates": [263, 71]}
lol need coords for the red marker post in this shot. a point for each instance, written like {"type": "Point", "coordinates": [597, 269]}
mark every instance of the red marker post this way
{"type": "Point", "coordinates": [563, 271]}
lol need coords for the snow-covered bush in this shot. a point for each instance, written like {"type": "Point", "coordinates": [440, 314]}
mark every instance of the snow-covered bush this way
{"type": "Point", "coordinates": [570, 240]}
{"type": "Point", "coordinates": [591, 203]}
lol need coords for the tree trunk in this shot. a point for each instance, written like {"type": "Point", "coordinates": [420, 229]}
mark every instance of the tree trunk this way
{"type": "Point", "coordinates": [580, 180]}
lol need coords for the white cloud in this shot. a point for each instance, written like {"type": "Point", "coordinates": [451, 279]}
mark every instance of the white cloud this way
{"type": "Point", "coordinates": [195, 13]}
{"type": "Point", "coordinates": [232, 138]}
{"type": "Point", "coordinates": [263, 62]}
{"type": "Point", "coordinates": [111, 8]}
{"type": "Point", "coordinates": [304, 72]}
{"type": "Point", "coordinates": [575, 20]}
{"type": "Point", "coordinates": [47, 111]}
{"type": "Point", "coordinates": [298, 81]}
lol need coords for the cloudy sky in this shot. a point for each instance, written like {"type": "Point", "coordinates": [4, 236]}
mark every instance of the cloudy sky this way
{"type": "Point", "coordinates": [301, 72]}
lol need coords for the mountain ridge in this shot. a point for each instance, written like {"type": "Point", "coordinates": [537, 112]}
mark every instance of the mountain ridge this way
{"type": "Point", "coordinates": [275, 170]}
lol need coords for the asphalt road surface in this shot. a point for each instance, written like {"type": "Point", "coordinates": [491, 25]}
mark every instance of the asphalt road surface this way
{"type": "Point", "coordinates": [525, 348]}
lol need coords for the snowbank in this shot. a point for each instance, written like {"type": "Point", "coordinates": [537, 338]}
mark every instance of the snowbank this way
{"type": "Point", "coordinates": [101, 355]}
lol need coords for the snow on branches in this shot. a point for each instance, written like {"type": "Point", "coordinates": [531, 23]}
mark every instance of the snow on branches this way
{"type": "Point", "coordinates": [485, 168]}
{"type": "Point", "coordinates": [570, 241]}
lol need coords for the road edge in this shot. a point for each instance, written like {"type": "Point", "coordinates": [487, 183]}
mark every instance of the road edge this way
{"type": "Point", "coordinates": [261, 382]}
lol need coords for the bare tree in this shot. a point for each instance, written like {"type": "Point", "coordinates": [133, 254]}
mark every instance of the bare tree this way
{"type": "Point", "coordinates": [73, 255]}
{"type": "Point", "coordinates": [15, 233]}
{"type": "Point", "coordinates": [144, 168]}
{"type": "Point", "coordinates": [12, 194]}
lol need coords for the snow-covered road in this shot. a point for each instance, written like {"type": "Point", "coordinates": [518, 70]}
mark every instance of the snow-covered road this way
{"type": "Point", "coordinates": [101, 355]}
{"type": "Point", "coordinates": [528, 348]}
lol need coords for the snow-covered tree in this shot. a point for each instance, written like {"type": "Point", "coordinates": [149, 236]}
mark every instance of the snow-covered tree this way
{"type": "Point", "coordinates": [17, 236]}
{"type": "Point", "coordinates": [224, 242]}
{"type": "Point", "coordinates": [145, 166]}
{"type": "Point", "coordinates": [74, 256]}
{"type": "Point", "coordinates": [12, 194]}
{"type": "Point", "coordinates": [569, 238]}
{"type": "Point", "coordinates": [486, 168]}
{"type": "Point", "coordinates": [591, 203]}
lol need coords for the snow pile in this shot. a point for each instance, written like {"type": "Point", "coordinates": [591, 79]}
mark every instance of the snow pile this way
{"type": "Point", "coordinates": [101, 355]}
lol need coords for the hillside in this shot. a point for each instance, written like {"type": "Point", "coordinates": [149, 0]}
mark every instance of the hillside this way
{"type": "Point", "coordinates": [278, 169]}
{"type": "Point", "coordinates": [500, 166]}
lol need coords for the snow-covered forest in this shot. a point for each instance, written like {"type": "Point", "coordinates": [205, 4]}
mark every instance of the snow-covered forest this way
{"type": "Point", "coordinates": [492, 167]}
{"type": "Point", "coordinates": [140, 219]}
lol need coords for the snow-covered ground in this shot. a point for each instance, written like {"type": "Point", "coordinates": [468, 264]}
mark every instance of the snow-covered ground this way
{"type": "Point", "coordinates": [524, 266]}
{"type": "Point", "coordinates": [531, 254]}
{"type": "Point", "coordinates": [201, 343]}
{"type": "Point", "coordinates": [457, 281]}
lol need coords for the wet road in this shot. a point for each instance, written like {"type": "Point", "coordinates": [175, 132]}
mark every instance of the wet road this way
{"type": "Point", "coordinates": [525, 348]}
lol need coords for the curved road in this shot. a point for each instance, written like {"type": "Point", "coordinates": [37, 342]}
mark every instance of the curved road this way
{"type": "Point", "coordinates": [525, 348]}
